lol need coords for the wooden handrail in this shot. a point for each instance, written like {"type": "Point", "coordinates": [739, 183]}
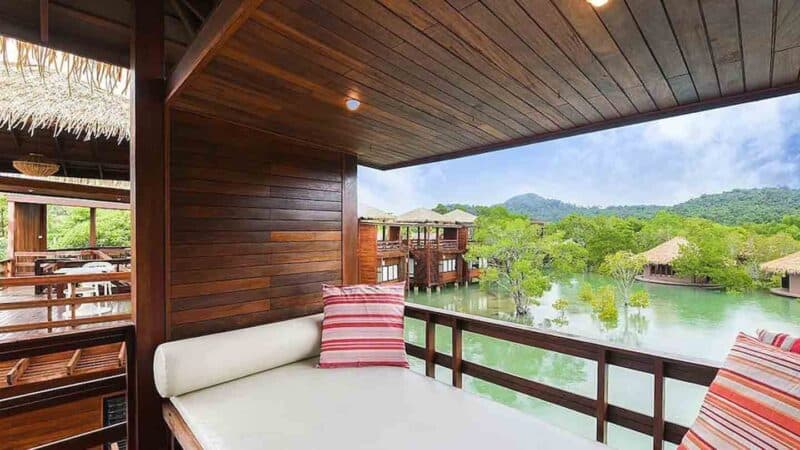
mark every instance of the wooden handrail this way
{"type": "Point", "coordinates": [26, 304]}
{"type": "Point", "coordinates": [661, 365]}
{"type": "Point", "coordinates": [64, 279]}
{"type": "Point", "coordinates": [50, 324]}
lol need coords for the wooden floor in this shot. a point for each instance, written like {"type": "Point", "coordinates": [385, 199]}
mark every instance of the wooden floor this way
{"type": "Point", "coordinates": [783, 292]}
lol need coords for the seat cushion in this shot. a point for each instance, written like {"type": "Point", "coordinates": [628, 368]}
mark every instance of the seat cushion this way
{"type": "Point", "coordinates": [363, 326]}
{"type": "Point", "coordinates": [754, 401]}
{"type": "Point", "coordinates": [785, 341]}
{"type": "Point", "coordinates": [302, 407]}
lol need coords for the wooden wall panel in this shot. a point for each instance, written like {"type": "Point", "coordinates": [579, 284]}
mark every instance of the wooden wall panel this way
{"type": "Point", "coordinates": [256, 226]}
{"type": "Point", "coordinates": [367, 253]}
{"type": "Point", "coordinates": [41, 426]}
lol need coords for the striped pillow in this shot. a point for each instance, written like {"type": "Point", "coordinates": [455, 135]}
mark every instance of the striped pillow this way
{"type": "Point", "coordinates": [782, 340]}
{"type": "Point", "coordinates": [363, 326]}
{"type": "Point", "coordinates": [754, 402]}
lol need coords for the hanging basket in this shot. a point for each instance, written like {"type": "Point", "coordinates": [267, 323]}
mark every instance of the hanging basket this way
{"type": "Point", "coordinates": [36, 165]}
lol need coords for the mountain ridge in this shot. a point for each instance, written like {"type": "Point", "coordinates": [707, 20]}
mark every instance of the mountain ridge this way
{"type": "Point", "coordinates": [756, 205]}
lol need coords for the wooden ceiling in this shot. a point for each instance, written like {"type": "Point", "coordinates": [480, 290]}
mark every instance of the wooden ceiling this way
{"type": "Point", "coordinates": [98, 158]}
{"type": "Point", "coordinates": [439, 79]}
{"type": "Point", "coordinates": [98, 29]}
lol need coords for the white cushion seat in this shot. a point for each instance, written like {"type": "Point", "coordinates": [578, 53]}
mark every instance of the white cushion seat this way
{"type": "Point", "coordinates": [299, 406]}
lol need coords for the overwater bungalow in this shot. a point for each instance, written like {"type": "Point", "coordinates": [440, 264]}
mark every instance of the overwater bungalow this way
{"type": "Point", "coordinates": [421, 247]}
{"type": "Point", "coordinates": [788, 267]}
{"type": "Point", "coordinates": [659, 268]}
{"type": "Point", "coordinates": [248, 120]}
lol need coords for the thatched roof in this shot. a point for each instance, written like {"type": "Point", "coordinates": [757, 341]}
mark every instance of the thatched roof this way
{"type": "Point", "coordinates": [789, 264]}
{"type": "Point", "coordinates": [367, 212]}
{"type": "Point", "coordinates": [460, 216]}
{"type": "Point", "coordinates": [422, 215]}
{"type": "Point", "coordinates": [666, 252]}
{"type": "Point", "coordinates": [45, 88]}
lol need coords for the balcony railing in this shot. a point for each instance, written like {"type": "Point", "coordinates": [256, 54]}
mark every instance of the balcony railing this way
{"type": "Point", "coordinates": [442, 244]}
{"type": "Point", "coordinates": [48, 396]}
{"type": "Point", "coordinates": [391, 246]}
{"type": "Point", "coordinates": [68, 292]}
{"type": "Point", "coordinates": [604, 354]}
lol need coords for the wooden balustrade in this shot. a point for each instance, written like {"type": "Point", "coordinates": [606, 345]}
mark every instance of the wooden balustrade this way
{"type": "Point", "coordinates": [385, 246]}
{"type": "Point", "coordinates": [27, 349]}
{"type": "Point", "coordinates": [441, 244]}
{"type": "Point", "coordinates": [56, 285]}
{"type": "Point", "coordinates": [24, 262]}
{"type": "Point", "coordinates": [661, 366]}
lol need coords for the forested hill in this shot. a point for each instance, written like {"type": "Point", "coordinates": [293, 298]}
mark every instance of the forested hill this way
{"type": "Point", "coordinates": [732, 207]}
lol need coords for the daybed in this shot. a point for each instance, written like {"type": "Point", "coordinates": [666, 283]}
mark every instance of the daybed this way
{"type": "Point", "coordinates": [258, 388]}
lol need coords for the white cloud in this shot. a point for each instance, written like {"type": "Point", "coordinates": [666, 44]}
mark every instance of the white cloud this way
{"type": "Point", "coordinates": [661, 162]}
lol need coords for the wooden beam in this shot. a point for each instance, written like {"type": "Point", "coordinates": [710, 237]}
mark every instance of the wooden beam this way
{"type": "Point", "coordinates": [73, 361]}
{"type": "Point", "coordinates": [67, 190]}
{"type": "Point", "coordinates": [226, 18]}
{"type": "Point", "coordinates": [62, 201]}
{"type": "Point", "coordinates": [148, 214]}
{"type": "Point", "coordinates": [16, 372]}
{"type": "Point", "coordinates": [187, 25]}
{"type": "Point", "coordinates": [44, 23]}
{"type": "Point", "coordinates": [349, 219]}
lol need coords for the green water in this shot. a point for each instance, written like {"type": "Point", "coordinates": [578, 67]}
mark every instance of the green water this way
{"type": "Point", "coordinates": [682, 321]}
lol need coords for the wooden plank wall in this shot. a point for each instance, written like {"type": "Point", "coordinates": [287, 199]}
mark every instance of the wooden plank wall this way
{"type": "Point", "coordinates": [367, 253]}
{"type": "Point", "coordinates": [41, 426]}
{"type": "Point", "coordinates": [256, 226]}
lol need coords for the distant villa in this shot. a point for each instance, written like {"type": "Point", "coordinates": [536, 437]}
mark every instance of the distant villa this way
{"type": "Point", "coordinates": [789, 269]}
{"type": "Point", "coordinates": [659, 268]}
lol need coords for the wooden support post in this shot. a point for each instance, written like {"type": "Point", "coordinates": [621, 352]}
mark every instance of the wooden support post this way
{"type": "Point", "coordinates": [457, 354]}
{"type": "Point", "coordinates": [92, 227]}
{"type": "Point", "coordinates": [430, 347]}
{"type": "Point", "coordinates": [349, 219]}
{"type": "Point", "coordinates": [73, 362]}
{"type": "Point", "coordinates": [658, 404]}
{"type": "Point", "coordinates": [602, 396]}
{"type": "Point", "coordinates": [149, 206]}
{"type": "Point", "coordinates": [122, 356]}
{"type": "Point", "coordinates": [44, 25]}
{"type": "Point", "coordinates": [17, 371]}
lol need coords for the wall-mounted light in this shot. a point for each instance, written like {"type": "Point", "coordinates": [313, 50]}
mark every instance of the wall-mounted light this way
{"type": "Point", "coordinates": [352, 104]}
{"type": "Point", "coordinates": [597, 3]}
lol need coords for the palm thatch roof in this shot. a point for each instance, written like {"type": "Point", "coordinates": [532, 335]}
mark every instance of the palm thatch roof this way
{"type": "Point", "coordinates": [460, 216]}
{"type": "Point", "coordinates": [366, 212]}
{"type": "Point", "coordinates": [789, 264]}
{"type": "Point", "coordinates": [46, 88]}
{"type": "Point", "coordinates": [667, 252]}
{"type": "Point", "coordinates": [422, 215]}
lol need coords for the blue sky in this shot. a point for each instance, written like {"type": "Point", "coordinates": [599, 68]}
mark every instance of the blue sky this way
{"type": "Point", "coordinates": [661, 162]}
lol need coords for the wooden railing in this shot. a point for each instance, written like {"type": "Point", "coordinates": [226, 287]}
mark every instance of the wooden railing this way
{"type": "Point", "coordinates": [63, 290]}
{"type": "Point", "coordinates": [388, 246]}
{"type": "Point", "coordinates": [604, 354]}
{"type": "Point", "coordinates": [442, 244]}
{"type": "Point", "coordinates": [24, 261]}
{"type": "Point", "coordinates": [72, 341]}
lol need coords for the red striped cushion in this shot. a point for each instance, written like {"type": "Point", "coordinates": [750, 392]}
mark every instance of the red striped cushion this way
{"type": "Point", "coordinates": [363, 326]}
{"type": "Point", "coordinates": [782, 340]}
{"type": "Point", "coordinates": [754, 402]}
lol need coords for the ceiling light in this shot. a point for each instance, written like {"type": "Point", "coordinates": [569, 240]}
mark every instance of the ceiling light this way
{"type": "Point", "coordinates": [597, 3]}
{"type": "Point", "coordinates": [352, 104]}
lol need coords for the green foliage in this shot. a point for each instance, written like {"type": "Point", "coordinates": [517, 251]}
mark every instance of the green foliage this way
{"type": "Point", "coordinates": [586, 292]}
{"type": "Point", "coordinates": [69, 227]}
{"type": "Point", "coordinates": [561, 304]}
{"type": "Point", "coordinates": [472, 209]}
{"type": "Point", "coordinates": [623, 267]}
{"type": "Point", "coordinates": [521, 261]}
{"type": "Point", "coordinates": [605, 306]}
{"type": "Point", "coordinates": [639, 299]}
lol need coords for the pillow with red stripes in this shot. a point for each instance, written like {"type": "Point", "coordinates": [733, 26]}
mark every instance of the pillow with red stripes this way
{"type": "Point", "coordinates": [782, 340]}
{"type": "Point", "coordinates": [363, 326]}
{"type": "Point", "coordinates": [753, 402]}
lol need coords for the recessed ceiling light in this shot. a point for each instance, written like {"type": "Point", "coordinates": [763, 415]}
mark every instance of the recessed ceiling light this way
{"type": "Point", "coordinates": [597, 3]}
{"type": "Point", "coordinates": [352, 104]}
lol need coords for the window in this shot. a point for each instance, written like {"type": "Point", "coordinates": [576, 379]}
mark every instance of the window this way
{"type": "Point", "coordinates": [447, 265]}
{"type": "Point", "coordinates": [481, 263]}
{"type": "Point", "coordinates": [388, 273]}
{"type": "Point", "coordinates": [410, 267]}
